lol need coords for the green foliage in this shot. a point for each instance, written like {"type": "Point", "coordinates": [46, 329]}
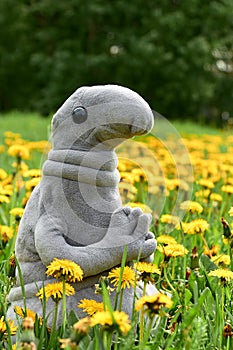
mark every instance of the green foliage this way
{"type": "Point", "coordinates": [177, 54]}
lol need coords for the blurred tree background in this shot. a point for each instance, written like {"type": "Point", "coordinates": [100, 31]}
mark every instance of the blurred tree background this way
{"type": "Point", "coordinates": [178, 54]}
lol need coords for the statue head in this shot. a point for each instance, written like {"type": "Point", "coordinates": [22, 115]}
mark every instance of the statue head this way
{"type": "Point", "coordinates": [100, 116]}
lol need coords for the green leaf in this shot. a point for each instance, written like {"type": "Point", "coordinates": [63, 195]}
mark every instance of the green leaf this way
{"type": "Point", "coordinates": [206, 264]}
{"type": "Point", "coordinates": [188, 296]}
{"type": "Point", "coordinates": [192, 312]}
{"type": "Point", "coordinates": [72, 318]}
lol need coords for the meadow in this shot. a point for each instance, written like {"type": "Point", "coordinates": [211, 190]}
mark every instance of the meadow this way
{"type": "Point", "coordinates": [184, 178]}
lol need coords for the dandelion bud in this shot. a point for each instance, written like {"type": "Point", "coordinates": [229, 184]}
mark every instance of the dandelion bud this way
{"type": "Point", "coordinates": [194, 259]}
{"type": "Point", "coordinates": [28, 335]}
{"type": "Point", "coordinates": [226, 228]}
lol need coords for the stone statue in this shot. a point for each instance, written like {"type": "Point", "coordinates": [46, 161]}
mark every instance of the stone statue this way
{"type": "Point", "coordinates": [76, 212]}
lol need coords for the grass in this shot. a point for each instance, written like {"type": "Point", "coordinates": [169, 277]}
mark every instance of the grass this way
{"type": "Point", "coordinates": [34, 127]}
{"type": "Point", "coordinates": [31, 126]}
{"type": "Point", "coordinates": [193, 264]}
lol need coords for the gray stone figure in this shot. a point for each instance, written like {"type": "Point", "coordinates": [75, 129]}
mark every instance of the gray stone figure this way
{"type": "Point", "coordinates": [76, 211]}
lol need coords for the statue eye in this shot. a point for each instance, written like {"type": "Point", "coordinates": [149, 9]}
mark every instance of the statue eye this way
{"type": "Point", "coordinates": [79, 115]}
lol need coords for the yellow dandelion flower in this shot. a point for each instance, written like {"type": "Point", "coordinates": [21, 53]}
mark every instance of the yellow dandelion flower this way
{"type": "Point", "coordinates": [139, 175]}
{"type": "Point", "coordinates": [6, 233]}
{"type": "Point", "coordinates": [3, 328]}
{"type": "Point", "coordinates": [170, 219]}
{"type": "Point", "coordinates": [32, 173]}
{"type": "Point", "coordinates": [117, 319]}
{"type": "Point", "coordinates": [216, 197]}
{"type": "Point", "coordinates": [227, 188]}
{"type": "Point", "coordinates": [206, 183]}
{"type": "Point", "coordinates": [166, 239]}
{"type": "Point", "coordinates": [30, 184]}
{"type": "Point", "coordinates": [29, 313]}
{"type": "Point", "coordinates": [4, 199]}
{"type": "Point", "coordinates": [3, 174]}
{"type": "Point", "coordinates": [173, 250]}
{"type": "Point", "coordinates": [230, 212]}
{"type": "Point", "coordinates": [211, 251]}
{"type": "Point", "coordinates": [176, 184]}
{"type": "Point", "coordinates": [2, 149]}
{"type": "Point", "coordinates": [67, 344]}
{"type": "Point", "coordinates": [144, 207]}
{"type": "Point", "coordinates": [128, 187]}
{"type": "Point", "coordinates": [23, 166]}
{"type": "Point", "coordinates": [11, 135]}
{"type": "Point", "coordinates": [223, 274]}
{"type": "Point", "coordinates": [128, 277]}
{"type": "Point", "coordinates": [19, 151]}
{"type": "Point", "coordinates": [221, 260]}
{"type": "Point", "coordinates": [203, 193]}
{"type": "Point", "coordinates": [198, 226]}
{"type": "Point", "coordinates": [90, 306]}
{"type": "Point", "coordinates": [17, 212]}
{"type": "Point", "coordinates": [124, 164]}
{"type": "Point", "coordinates": [55, 290]}
{"type": "Point", "coordinates": [6, 191]}
{"type": "Point", "coordinates": [191, 206]}
{"type": "Point", "coordinates": [146, 267]}
{"type": "Point", "coordinates": [153, 303]}
{"type": "Point", "coordinates": [82, 326]}
{"type": "Point", "coordinates": [127, 176]}
{"type": "Point", "coordinates": [67, 269]}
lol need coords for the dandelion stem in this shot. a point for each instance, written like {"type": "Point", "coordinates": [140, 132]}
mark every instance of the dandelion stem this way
{"type": "Point", "coordinates": [147, 335]}
{"type": "Point", "coordinates": [223, 301]}
{"type": "Point", "coordinates": [121, 299]}
{"type": "Point", "coordinates": [141, 332]}
{"type": "Point", "coordinates": [53, 331]}
{"type": "Point", "coordinates": [63, 306]}
{"type": "Point", "coordinates": [167, 280]}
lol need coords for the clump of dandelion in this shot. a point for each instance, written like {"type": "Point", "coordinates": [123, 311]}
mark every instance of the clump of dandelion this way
{"type": "Point", "coordinates": [225, 276]}
{"type": "Point", "coordinates": [67, 271]}
{"type": "Point", "coordinates": [145, 271]}
{"type": "Point", "coordinates": [152, 305]}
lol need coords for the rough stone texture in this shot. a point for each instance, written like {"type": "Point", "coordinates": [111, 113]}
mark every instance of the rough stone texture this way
{"type": "Point", "coordinates": [76, 212]}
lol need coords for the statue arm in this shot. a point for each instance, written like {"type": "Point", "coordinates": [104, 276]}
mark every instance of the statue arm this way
{"type": "Point", "coordinates": [98, 257]}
